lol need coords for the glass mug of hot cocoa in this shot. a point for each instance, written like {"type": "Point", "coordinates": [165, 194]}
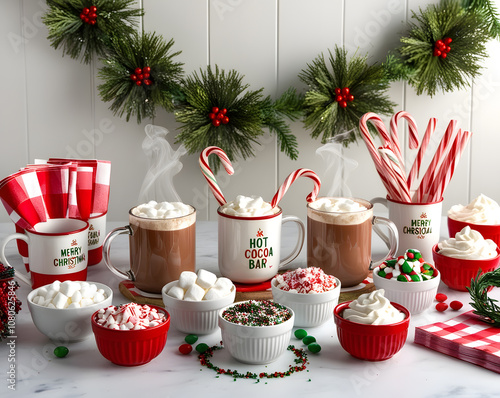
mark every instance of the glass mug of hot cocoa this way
{"type": "Point", "coordinates": [162, 244]}
{"type": "Point", "coordinates": [339, 236]}
{"type": "Point", "coordinates": [249, 234]}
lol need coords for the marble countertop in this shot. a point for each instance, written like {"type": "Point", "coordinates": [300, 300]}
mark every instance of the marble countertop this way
{"type": "Point", "coordinates": [414, 372]}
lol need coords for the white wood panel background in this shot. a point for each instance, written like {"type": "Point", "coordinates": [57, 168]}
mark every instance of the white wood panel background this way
{"type": "Point", "coordinates": [50, 105]}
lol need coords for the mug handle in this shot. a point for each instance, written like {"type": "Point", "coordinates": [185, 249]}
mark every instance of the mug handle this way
{"type": "Point", "coordinates": [106, 247]}
{"type": "Point", "coordinates": [4, 259]}
{"type": "Point", "coordinates": [376, 228]}
{"type": "Point", "coordinates": [300, 241]}
{"type": "Point", "coordinates": [392, 239]}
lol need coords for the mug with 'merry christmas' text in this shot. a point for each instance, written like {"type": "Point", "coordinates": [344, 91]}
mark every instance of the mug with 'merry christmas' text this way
{"type": "Point", "coordinates": [250, 240]}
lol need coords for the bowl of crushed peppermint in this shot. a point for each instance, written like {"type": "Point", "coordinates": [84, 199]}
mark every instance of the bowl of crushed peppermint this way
{"type": "Point", "coordinates": [256, 331]}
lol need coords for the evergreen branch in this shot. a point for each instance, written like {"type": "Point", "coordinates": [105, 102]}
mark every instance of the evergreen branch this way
{"type": "Point", "coordinates": [483, 305]}
{"type": "Point", "coordinates": [488, 12]}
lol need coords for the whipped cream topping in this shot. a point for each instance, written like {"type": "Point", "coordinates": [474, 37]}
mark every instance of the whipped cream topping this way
{"type": "Point", "coordinates": [162, 210]}
{"type": "Point", "coordinates": [247, 206]}
{"type": "Point", "coordinates": [468, 244]}
{"type": "Point", "coordinates": [337, 205]}
{"type": "Point", "coordinates": [373, 309]}
{"type": "Point", "coordinates": [482, 210]}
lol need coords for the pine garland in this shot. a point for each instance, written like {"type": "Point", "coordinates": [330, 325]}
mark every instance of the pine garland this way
{"type": "Point", "coordinates": [327, 111]}
{"type": "Point", "coordinates": [417, 60]}
{"type": "Point", "coordinates": [140, 74]}
{"type": "Point", "coordinates": [488, 12]}
{"type": "Point", "coordinates": [219, 110]}
{"type": "Point", "coordinates": [65, 20]}
{"type": "Point", "coordinates": [483, 305]}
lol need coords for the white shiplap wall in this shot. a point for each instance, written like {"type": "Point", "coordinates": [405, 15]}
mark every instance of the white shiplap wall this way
{"type": "Point", "coordinates": [50, 105]}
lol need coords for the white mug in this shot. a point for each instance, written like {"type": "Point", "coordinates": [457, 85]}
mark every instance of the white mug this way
{"type": "Point", "coordinates": [249, 247]}
{"type": "Point", "coordinates": [418, 224]}
{"type": "Point", "coordinates": [58, 250]}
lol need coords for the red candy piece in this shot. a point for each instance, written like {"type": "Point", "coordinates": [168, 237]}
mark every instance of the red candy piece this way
{"type": "Point", "coordinates": [185, 349]}
{"type": "Point", "coordinates": [441, 307]}
{"type": "Point", "coordinates": [456, 305]}
{"type": "Point", "coordinates": [388, 276]}
{"type": "Point", "coordinates": [441, 297]}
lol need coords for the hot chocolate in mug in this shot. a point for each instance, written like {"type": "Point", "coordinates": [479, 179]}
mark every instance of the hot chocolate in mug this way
{"type": "Point", "coordinates": [419, 224]}
{"type": "Point", "coordinates": [250, 247]}
{"type": "Point", "coordinates": [58, 250]}
{"type": "Point", "coordinates": [339, 239]}
{"type": "Point", "coordinates": [160, 249]}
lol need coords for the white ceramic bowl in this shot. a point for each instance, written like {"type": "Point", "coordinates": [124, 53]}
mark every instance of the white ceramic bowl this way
{"type": "Point", "coordinates": [310, 310]}
{"type": "Point", "coordinates": [415, 296]}
{"type": "Point", "coordinates": [67, 324]}
{"type": "Point", "coordinates": [256, 344]}
{"type": "Point", "coordinates": [197, 317]}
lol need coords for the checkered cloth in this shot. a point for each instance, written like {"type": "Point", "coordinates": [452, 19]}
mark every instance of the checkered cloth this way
{"type": "Point", "coordinates": [465, 337]}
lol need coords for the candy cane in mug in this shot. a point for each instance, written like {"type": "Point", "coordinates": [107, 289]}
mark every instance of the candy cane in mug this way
{"type": "Point", "coordinates": [207, 172]}
{"type": "Point", "coordinates": [413, 137]}
{"type": "Point", "coordinates": [291, 179]}
{"type": "Point", "coordinates": [415, 168]}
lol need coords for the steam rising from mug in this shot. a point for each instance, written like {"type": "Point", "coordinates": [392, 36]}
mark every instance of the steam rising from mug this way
{"type": "Point", "coordinates": [163, 165]}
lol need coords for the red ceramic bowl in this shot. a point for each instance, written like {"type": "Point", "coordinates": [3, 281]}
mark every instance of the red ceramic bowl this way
{"type": "Point", "coordinates": [371, 342]}
{"type": "Point", "coordinates": [131, 347]}
{"type": "Point", "coordinates": [488, 231]}
{"type": "Point", "coordinates": [457, 273]}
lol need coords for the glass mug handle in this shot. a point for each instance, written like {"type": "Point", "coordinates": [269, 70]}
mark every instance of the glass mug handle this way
{"type": "Point", "coordinates": [376, 228]}
{"type": "Point", "coordinates": [392, 238]}
{"type": "Point", "coordinates": [300, 241]}
{"type": "Point", "coordinates": [4, 259]}
{"type": "Point", "coordinates": [106, 247]}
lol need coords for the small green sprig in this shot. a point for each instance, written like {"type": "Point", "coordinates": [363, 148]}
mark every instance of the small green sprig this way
{"type": "Point", "coordinates": [483, 305]}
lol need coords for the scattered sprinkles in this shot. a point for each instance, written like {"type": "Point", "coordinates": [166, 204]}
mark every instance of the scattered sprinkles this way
{"type": "Point", "coordinates": [411, 267]}
{"type": "Point", "coordinates": [299, 365]}
{"type": "Point", "coordinates": [257, 313]}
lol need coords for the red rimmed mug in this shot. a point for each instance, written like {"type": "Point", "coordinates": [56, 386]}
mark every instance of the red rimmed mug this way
{"type": "Point", "coordinates": [58, 250]}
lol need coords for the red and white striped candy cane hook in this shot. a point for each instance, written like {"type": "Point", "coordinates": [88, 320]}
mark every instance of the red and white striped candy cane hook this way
{"type": "Point", "coordinates": [207, 172]}
{"type": "Point", "coordinates": [413, 137]}
{"type": "Point", "coordinates": [290, 180]}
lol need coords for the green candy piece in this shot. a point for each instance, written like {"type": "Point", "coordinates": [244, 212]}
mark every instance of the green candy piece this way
{"type": "Point", "coordinates": [191, 338]}
{"type": "Point", "coordinates": [401, 278]}
{"type": "Point", "coordinates": [202, 347]}
{"type": "Point", "coordinates": [415, 278]}
{"type": "Point", "coordinates": [314, 348]}
{"type": "Point", "coordinates": [61, 351]}
{"type": "Point", "coordinates": [308, 340]}
{"type": "Point", "coordinates": [382, 274]}
{"type": "Point", "coordinates": [426, 266]}
{"type": "Point", "coordinates": [392, 263]}
{"type": "Point", "coordinates": [417, 254]}
{"type": "Point", "coordinates": [406, 268]}
{"type": "Point", "coordinates": [300, 333]}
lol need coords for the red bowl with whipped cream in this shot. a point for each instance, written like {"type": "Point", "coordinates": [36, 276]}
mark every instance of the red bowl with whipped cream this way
{"type": "Point", "coordinates": [131, 347]}
{"type": "Point", "coordinates": [487, 230]}
{"type": "Point", "coordinates": [456, 273]}
{"type": "Point", "coordinates": [371, 342]}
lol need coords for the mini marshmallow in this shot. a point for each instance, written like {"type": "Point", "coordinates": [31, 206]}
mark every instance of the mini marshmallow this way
{"type": "Point", "coordinates": [176, 292]}
{"type": "Point", "coordinates": [214, 293]}
{"type": "Point", "coordinates": [205, 279]}
{"type": "Point", "coordinates": [76, 297]}
{"type": "Point", "coordinates": [68, 288]}
{"type": "Point", "coordinates": [51, 293]}
{"type": "Point", "coordinates": [194, 293]}
{"type": "Point", "coordinates": [224, 283]}
{"type": "Point", "coordinates": [56, 285]}
{"type": "Point", "coordinates": [85, 291]}
{"type": "Point", "coordinates": [98, 297]}
{"type": "Point", "coordinates": [74, 305]}
{"type": "Point", "coordinates": [42, 291]}
{"type": "Point", "coordinates": [187, 279]}
{"type": "Point", "coordinates": [60, 300]}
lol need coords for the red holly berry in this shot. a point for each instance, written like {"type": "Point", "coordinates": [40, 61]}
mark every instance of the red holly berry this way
{"type": "Point", "coordinates": [146, 75]}
{"type": "Point", "coordinates": [147, 82]}
{"type": "Point", "coordinates": [211, 115]}
{"type": "Point", "coordinates": [456, 305]}
{"type": "Point", "coordinates": [339, 98]}
{"type": "Point", "coordinates": [224, 111]}
{"type": "Point", "coordinates": [350, 98]}
{"type": "Point", "coordinates": [86, 10]}
{"type": "Point", "coordinates": [138, 71]}
{"type": "Point", "coordinates": [138, 82]}
{"type": "Point", "coordinates": [215, 109]}
{"type": "Point", "coordinates": [441, 307]}
{"type": "Point", "coordinates": [225, 120]}
{"type": "Point", "coordinates": [337, 91]}
{"type": "Point", "coordinates": [447, 40]}
{"type": "Point", "coordinates": [146, 69]}
{"type": "Point", "coordinates": [443, 55]}
{"type": "Point", "coordinates": [185, 349]}
{"type": "Point", "coordinates": [216, 122]}
{"type": "Point", "coordinates": [93, 9]}
{"type": "Point", "coordinates": [133, 77]}
{"type": "Point", "coordinates": [345, 91]}
{"type": "Point", "coordinates": [441, 297]}
{"type": "Point", "coordinates": [343, 104]}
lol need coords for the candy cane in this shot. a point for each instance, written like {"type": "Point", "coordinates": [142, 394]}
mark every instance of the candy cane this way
{"type": "Point", "coordinates": [207, 172]}
{"type": "Point", "coordinates": [415, 168]}
{"type": "Point", "coordinates": [291, 179]}
{"type": "Point", "coordinates": [396, 173]}
{"type": "Point", "coordinates": [449, 164]}
{"type": "Point", "coordinates": [430, 174]}
{"type": "Point", "coordinates": [413, 136]}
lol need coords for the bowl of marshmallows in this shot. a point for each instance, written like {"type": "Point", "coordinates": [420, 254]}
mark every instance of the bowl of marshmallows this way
{"type": "Point", "coordinates": [62, 310]}
{"type": "Point", "coordinates": [194, 300]}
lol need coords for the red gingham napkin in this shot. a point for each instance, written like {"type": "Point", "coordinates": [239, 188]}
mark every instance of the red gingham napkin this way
{"type": "Point", "coordinates": [464, 337]}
